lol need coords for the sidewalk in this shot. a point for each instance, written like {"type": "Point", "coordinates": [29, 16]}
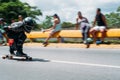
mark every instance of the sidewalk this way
{"type": "Point", "coordinates": [74, 45]}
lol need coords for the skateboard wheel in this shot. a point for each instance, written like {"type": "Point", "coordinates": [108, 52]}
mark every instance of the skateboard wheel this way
{"type": "Point", "coordinates": [30, 58]}
{"type": "Point", "coordinates": [6, 56]}
{"type": "Point", "coordinates": [3, 57]}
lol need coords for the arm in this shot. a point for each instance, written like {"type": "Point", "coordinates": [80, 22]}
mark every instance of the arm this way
{"type": "Point", "coordinates": [47, 29]}
{"type": "Point", "coordinates": [76, 25]}
{"type": "Point", "coordinates": [94, 22]}
{"type": "Point", "coordinates": [104, 20]}
{"type": "Point", "coordinates": [87, 20]}
{"type": "Point", "coordinates": [16, 26]}
{"type": "Point", "coordinates": [53, 27]}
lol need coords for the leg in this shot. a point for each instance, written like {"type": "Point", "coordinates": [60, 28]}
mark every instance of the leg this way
{"type": "Point", "coordinates": [20, 40]}
{"type": "Point", "coordinates": [5, 35]}
{"type": "Point", "coordinates": [60, 39]}
{"type": "Point", "coordinates": [83, 28]}
{"type": "Point", "coordinates": [1, 38]}
{"type": "Point", "coordinates": [83, 36]}
{"type": "Point", "coordinates": [103, 34]}
{"type": "Point", "coordinates": [87, 33]}
{"type": "Point", "coordinates": [46, 41]}
{"type": "Point", "coordinates": [94, 32]}
{"type": "Point", "coordinates": [50, 35]}
{"type": "Point", "coordinates": [12, 46]}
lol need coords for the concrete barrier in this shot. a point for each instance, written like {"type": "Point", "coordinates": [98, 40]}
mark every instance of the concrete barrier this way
{"type": "Point", "coordinates": [111, 33]}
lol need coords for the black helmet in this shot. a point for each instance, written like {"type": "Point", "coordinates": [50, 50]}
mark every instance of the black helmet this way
{"type": "Point", "coordinates": [29, 23]}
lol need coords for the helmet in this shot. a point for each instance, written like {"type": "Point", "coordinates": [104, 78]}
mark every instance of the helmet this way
{"type": "Point", "coordinates": [29, 23]}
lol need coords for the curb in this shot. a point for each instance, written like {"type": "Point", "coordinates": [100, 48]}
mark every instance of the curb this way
{"type": "Point", "coordinates": [70, 45]}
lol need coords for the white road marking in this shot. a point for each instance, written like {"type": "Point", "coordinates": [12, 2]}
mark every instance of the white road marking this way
{"type": "Point", "coordinates": [86, 64]}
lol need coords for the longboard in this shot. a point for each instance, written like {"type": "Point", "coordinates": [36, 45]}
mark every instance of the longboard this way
{"type": "Point", "coordinates": [13, 57]}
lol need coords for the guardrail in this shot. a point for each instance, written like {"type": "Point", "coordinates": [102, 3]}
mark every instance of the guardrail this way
{"type": "Point", "coordinates": [111, 33]}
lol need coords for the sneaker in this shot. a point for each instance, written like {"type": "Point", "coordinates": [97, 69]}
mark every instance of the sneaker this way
{"type": "Point", "coordinates": [21, 54]}
{"type": "Point", "coordinates": [12, 53]}
{"type": "Point", "coordinates": [87, 45]}
{"type": "Point", "coordinates": [45, 44]}
{"type": "Point", "coordinates": [85, 42]}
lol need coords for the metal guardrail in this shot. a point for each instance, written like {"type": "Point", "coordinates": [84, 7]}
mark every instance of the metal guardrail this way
{"type": "Point", "coordinates": [111, 33]}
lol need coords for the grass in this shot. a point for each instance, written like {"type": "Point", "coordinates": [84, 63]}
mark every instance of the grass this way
{"type": "Point", "coordinates": [75, 40]}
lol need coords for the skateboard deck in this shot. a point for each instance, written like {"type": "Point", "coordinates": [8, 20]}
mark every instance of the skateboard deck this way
{"type": "Point", "coordinates": [13, 57]}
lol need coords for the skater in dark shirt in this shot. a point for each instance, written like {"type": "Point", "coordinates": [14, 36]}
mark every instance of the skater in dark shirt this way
{"type": "Point", "coordinates": [16, 33]}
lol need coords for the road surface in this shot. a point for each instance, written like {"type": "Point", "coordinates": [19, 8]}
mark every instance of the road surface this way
{"type": "Point", "coordinates": [62, 64]}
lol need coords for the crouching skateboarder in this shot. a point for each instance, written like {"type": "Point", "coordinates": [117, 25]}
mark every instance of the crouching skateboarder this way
{"type": "Point", "coordinates": [16, 33]}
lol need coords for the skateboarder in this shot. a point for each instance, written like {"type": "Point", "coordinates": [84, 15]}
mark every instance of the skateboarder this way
{"type": "Point", "coordinates": [16, 33]}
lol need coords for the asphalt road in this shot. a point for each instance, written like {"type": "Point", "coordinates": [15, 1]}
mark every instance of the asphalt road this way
{"type": "Point", "coordinates": [62, 64]}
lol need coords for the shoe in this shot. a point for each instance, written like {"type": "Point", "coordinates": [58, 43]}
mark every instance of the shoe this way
{"type": "Point", "coordinates": [12, 53]}
{"type": "Point", "coordinates": [85, 42]}
{"type": "Point", "coordinates": [87, 45]}
{"type": "Point", "coordinates": [45, 44]}
{"type": "Point", "coordinates": [21, 54]}
{"type": "Point", "coordinates": [98, 42]}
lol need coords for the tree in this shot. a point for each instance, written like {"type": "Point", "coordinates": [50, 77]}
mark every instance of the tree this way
{"type": "Point", "coordinates": [47, 23]}
{"type": "Point", "coordinates": [10, 9]}
{"type": "Point", "coordinates": [67, 25]}
{"type": "Point", "coordinates": [113, 19]}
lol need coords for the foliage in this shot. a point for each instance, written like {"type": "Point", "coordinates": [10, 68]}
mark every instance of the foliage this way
{"type": "Point", "coordinates": [47, 23]}
{"type": "Point", "coordinates": [67, 25]}
{"type": "Point", "coordinates": [113, 19]}
{"type": "Point", "coordinates": [10, 9]}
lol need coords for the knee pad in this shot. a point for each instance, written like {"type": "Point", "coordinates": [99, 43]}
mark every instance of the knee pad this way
{"type": "Point", "coordinates": [11, 41]}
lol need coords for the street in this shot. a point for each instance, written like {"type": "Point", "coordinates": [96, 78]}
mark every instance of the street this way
{"type": "Point", "coordinates": [62, 64]}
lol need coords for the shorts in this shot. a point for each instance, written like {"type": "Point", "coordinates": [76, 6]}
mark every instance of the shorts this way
{"type": "Point", "coordinates": [98, 28]}
{"type": "Point", "coordinates": [53, 32]}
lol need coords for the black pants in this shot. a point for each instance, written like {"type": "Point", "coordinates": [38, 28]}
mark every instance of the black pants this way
{"type": "Point", "coordinates": [19, 38]}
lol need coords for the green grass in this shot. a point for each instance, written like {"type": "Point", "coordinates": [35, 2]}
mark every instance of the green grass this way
{"type": "Point", "coordinates": [75, 40]}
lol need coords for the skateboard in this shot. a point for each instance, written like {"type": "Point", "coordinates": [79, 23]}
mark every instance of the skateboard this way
{"type": "Point", "coordinates": [14, 57]}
